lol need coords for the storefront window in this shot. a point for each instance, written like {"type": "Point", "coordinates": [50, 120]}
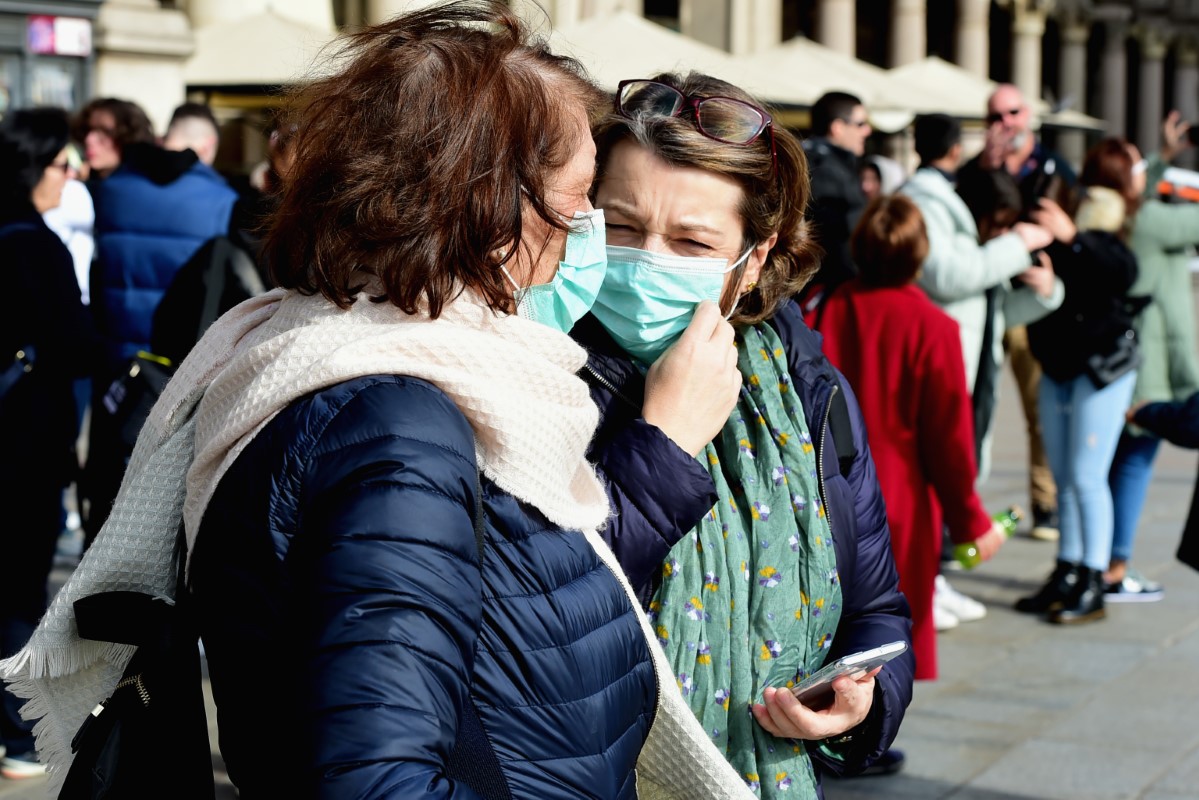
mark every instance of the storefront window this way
{"type": "Point", "coordinates": [54, 82]}
{"type": "Point", "coordinates": [10, 77]}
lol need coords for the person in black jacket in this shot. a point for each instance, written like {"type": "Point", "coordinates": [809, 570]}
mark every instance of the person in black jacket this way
{"type": "Point", "coordinates": [46, 341]}
{"type": "Point", "coordinates": [840, 128]}
{"type": "Point", "coordinates": [1088, 351]}
{"type": "Point", "coordinates": [729, 446]}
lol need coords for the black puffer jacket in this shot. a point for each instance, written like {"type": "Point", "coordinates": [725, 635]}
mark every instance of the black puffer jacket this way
{"type": "Point", "coordinates": [1098, 269]}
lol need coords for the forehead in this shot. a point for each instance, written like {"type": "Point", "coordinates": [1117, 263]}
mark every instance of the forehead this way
{"type": "Point", "coordinates": [102, 118]}
{"type": "Point", "coordinates": [638, 177]}
{"type": "Point", "coordinates": [1005, 99]}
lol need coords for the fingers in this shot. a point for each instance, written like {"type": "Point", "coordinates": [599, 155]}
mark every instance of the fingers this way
{"type": "Point", "coordinates": [703, 323]}
{"type": "Point", "coordinates": [782, 715]}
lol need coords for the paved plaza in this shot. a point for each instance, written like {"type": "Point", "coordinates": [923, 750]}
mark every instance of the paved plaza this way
{"type": "Point", "coordinates": [1027, 710]}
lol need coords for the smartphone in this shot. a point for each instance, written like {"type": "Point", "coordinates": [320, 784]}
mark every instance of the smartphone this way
{"type": "Point", "coordinates": [1193, 133]}
{"type": "Point", "coordinates": [816, 690]}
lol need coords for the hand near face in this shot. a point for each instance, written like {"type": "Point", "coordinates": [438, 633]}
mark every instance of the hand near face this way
{"type": "Point", "coordinates": [1053, 218]}
{"type": "Point", "coordinates": [1034, 236]}
{"type": "Point", "coordinates": [1039, 279]}
{"type": "Point", "coordinates": [691, 390]}
{"type": "Point", "coordinates": [784, 716]}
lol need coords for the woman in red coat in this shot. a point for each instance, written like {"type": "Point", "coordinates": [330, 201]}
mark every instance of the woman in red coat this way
{"type": "Point", "coordinates": [903, 357]}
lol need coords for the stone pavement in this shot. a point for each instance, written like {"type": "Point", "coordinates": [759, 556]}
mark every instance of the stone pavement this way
{"type": "Point", "coordinates": [1028, 711]}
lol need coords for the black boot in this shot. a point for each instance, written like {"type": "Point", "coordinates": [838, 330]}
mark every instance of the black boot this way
{"type": "Point", "coordinates": [1055, 590]}
{"type": "Point", "coordinates": [1085, 603]}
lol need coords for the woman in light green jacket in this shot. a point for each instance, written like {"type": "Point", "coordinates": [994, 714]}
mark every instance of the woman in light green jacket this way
{"type": "Point", "coordinates": [1162, 241]}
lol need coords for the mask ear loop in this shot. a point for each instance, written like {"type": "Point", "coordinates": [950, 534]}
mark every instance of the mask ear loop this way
{"type": "Point", "coordinates": [737, 300]}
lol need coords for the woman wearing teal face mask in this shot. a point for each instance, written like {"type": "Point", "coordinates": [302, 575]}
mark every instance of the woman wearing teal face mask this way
{"type": "Point", "coordinates": [747, 511]}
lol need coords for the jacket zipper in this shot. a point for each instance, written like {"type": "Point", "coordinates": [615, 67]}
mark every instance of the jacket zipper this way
{"type": "Point", "coordinates": [828, 411]}
{"type": "Point", "coordinates": [611, 387]}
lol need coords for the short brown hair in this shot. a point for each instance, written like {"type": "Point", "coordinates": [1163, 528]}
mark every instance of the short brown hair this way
{"type": "Point", "coordinates": [771, 202]}
{"type": "Point", "coordinates": [412, 162]}
{"type": "Point", "coordinates": [890, 242]}
{"type": "Point", "coordinates": [130, 123]}
{"type": "Point", "coordinates": [1109, 165]}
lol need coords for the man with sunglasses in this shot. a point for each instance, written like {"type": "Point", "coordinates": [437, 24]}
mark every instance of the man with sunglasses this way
{"type": "Point", "coordinates": [1041, 172]}
{"type": "Point", "coordinates": [840, 127]}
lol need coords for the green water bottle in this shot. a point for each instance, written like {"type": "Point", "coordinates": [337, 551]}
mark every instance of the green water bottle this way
{"type": "Point", "coordinates": [966, 554]}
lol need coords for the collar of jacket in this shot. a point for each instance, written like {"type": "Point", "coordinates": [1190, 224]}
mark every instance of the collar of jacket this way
{"type": "Point", "coordinates": [822, 146]}
{"type": "Point", "coordinates": [609, 366]}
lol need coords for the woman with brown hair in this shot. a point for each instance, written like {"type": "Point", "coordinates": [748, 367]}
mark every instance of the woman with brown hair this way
{"type": "Point", "coordinates": [1088, 351]}
{"type": "Point", "coordinates": [903, 355]}
{"type": "Point", "coordinates": [391, 519]}
{"type": "Point", "coordinates": [747, 513]}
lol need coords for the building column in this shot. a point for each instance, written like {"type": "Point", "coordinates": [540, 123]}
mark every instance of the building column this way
{"type": "Point", "coordinates": [909, 37]}
{"type": "Point", "coordinates": [1028, 28]}
{"type": "Point", "coordinates": [141, 49]}
{"type": "Point", "coordinates": [836, 26]}
{"type": "Point", "coordinates": [1186, 90]}
{"type": "Point", "coordinates": [1151, 88]}
{"type": "Point", "coordinates": [972, 39]}
{"type": "Point", "coordinates": [757, 25]}
{"type": "Point", "coordinates": [1073, 86]}
{"type": "Point", "coordinates": [1114, 72]}
{"type": "Point", "coordinates": [316, 14]}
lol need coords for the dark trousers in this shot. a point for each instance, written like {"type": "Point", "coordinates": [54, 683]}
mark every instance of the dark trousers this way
{"type": "Point", "coordinates": [33, 495]}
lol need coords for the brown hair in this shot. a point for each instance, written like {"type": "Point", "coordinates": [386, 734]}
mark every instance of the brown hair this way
{"type": "Point", "coordinates": [770, 203]}
{"type": "Point", "coordinates": [414, 161]}
{"type": "Point", "coordinates": [890, 242]}
{"type": "Point", "coordinates": [1109, 164]}
{"type": "Point", "coordinates": [130, 123]}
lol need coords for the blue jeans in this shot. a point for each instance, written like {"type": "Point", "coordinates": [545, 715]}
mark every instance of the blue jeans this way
{"type": "Point", "coordinates": [1129, 480]}
{"type": "Point", "coordinates": [1080, 426]}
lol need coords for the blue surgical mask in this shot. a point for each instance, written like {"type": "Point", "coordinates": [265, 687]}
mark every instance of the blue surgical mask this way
{"type": "Point", "coordinates": [563, 301]}
{"type": "Point", "coordinates": [648, 299]}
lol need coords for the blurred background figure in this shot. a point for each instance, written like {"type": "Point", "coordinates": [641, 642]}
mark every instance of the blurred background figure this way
{"type": "Point", "coordinates": [1088, 351]}
{"type": "Point", "coordinates": [193, 127]}
{"type": "Point", "coordinates": [1169, 369]}
{"type": "Point", "coordinates": [966, 278]}
{"type": "Point", "coordinates": [902, 356]}
{"type": "Point", "coordinates": [106, 126]}
{"type": "Point", "coordinates": [152, 214]}
{"type": "Point", "coordinates": [840, 128]}
{"type": "Point", "coordinates": [1013, 147]}
{"type": "Point", "coordinates": [47, 337]}
{"type": "Point", "coordinates": [880, 176]}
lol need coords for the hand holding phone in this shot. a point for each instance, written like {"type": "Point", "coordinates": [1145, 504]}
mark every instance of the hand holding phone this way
{"type": "Point", "coordinates": [816, 690]}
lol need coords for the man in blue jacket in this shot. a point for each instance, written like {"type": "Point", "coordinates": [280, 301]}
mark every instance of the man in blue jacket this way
{"type": "Point", "coordinates": [152, 214]}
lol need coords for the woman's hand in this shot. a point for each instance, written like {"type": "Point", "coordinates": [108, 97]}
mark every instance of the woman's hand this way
{"type": "Point", "coordinates": [989, 543]}
{"type": "Point", "coordinates": [1040, 279]}
{"type": "Point", "coordinates": [1174, 136]}
{"type": "Point", "coordinates": [1131, 414]}
{"type": "Point", "coordinates": [692, 389]}
{"type": "Point", "coordinates": [784, 716]}
{"type": "Point", "coordinates": [1050, 216]}
{"type": "Point", "coordinates": [1034, 236]}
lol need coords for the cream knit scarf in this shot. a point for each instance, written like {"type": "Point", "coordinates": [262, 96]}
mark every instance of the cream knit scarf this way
{"type": "Point", "coordinates": [515, 382]}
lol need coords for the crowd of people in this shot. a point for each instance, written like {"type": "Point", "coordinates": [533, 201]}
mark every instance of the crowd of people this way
{"type": "Point", "coordinates": [574, 434]}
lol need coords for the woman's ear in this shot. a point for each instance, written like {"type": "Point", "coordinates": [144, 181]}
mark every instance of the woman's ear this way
{"type": "Point", "coordinates": [753, 264]}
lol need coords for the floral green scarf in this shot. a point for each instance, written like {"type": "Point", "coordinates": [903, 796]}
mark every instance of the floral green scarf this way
{"type": "Point", "coordinates": [751, 598]}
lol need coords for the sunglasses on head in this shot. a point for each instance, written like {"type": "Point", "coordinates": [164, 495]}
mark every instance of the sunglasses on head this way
{"type": "Point", "coordinates": [722, 119]}
{"type": "Point", "coordinates": [997, 116]}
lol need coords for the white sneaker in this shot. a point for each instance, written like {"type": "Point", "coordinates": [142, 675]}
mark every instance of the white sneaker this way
{"type": "Point", "coordinates": [966, 609]}
{"type": "Point", "coordinates": [16, 768]}
{"type": "Point", "coordinates": [942, 619]}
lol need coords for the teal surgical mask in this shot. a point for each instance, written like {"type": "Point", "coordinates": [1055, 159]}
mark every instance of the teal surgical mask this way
{"type": "Point", "coordinates": [563, 301]}
{"type": "Point", "coordinates": [648, 299]}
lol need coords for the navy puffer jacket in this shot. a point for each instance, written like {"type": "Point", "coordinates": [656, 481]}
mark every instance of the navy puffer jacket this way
{"type": "Point", "coordinates": [659, 493]}
{"type": "Point", "coordinates": [354, 649]}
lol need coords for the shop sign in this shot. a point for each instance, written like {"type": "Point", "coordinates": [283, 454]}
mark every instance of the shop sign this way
{"type": "Point", "coordinates": [59, 36]}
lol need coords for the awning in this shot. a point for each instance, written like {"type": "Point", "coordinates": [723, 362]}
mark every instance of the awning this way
{"type": "Point", "coordinates": [622, 45]}
{"type": "Point", "coordinates": [262, 50]}
{"type": "Point", "coordinates": [964, 94]}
